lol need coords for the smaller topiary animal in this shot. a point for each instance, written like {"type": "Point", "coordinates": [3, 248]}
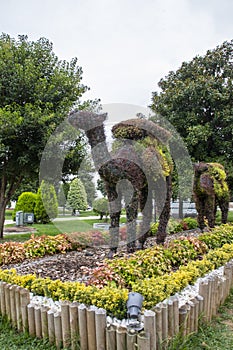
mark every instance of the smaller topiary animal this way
{"type": "Point", "coordinates": [210, 190]}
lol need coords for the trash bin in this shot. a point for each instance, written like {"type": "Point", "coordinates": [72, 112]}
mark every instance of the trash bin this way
{"type": "Point", "coordinates": [19, 218]}
{"type": "Point", "coordinates": [28, 218]}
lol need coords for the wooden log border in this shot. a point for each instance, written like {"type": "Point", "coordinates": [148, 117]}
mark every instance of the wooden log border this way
{"type": "Point", "coordinates": [89, 328]}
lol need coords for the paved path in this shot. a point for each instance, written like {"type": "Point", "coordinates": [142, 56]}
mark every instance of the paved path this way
{"type": "Point", "coordinates": [68, 218]}
{"type": "Point", "coordinates": [9, 222]}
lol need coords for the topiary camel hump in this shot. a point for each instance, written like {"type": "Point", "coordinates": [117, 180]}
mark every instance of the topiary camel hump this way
{"type": "Point", "coordinates": [139, 165]}
{"type": "Point", "coordinates": [210, 190]}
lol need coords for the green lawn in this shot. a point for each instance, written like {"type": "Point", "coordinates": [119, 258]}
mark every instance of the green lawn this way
{"type": "Point", "coordinates": [67, 226]}
{"type": "Point", "coordinates": [10, 339]}
{"type": "Point", "coordinates": [229, 218]}
{"type": "Point", "coordinates": [8, 214]}
{"type": "Point", "coordinates": [52, 229]}
{"type": "Point", "coordinates": [217, 335]}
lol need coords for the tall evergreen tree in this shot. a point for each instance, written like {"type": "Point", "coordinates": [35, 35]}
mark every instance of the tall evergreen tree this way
{"type": "Point", "coordinates": [86, 175]}
{"type": "Point", "coordinates": [46, 207]}
{"type": "Point", "coordinates": [77, 197]}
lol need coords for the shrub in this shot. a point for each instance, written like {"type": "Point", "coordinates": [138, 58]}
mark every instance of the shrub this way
{"type": "Point", "coordinates": [123, 233]}
{"type": "Point", "coordinates": [102, 275]}
{"type": "Point", "coordinates": [191, 223]}
{"type": "Point", "coordinates": [154, 290]}
{"type": "Point", "coordinates": [175, 225]}
{"type": "Point", "coordinates": [100, 238]}
{"type": "Point", "coordinates": [218, 236]}
{"type": "Point", "coordinates": [26, 202]}
{"type": "Point", "coordinates": [80, 239]}
{"type": "Point", "coordinates": [12, 252]}
{"type": "Point", "coordinates": [154, 228]}
{"type": "Point", "coordinates": [42, 245]}
{"type": "Point", "coordinates": [46, 207]}
{"type": "Point", "coordinates": [100, 206]}
{"type": "Point", "coordinates": [89, 238]}
{"type": "Point", "coordinates": [181, 251]}
{"type": "Point", "coordinates": [148, 272]}
{"type": "Point", "coordinates": [142, 264]}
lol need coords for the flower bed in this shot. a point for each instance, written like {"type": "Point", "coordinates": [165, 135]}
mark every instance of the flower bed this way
{"type": "Point", "coordinates": [156, 273]}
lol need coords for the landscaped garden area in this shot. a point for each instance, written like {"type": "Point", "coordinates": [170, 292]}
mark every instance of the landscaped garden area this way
{"type": "Point", "coordinates": [65, 281]}
{"type": "Point", "coordinates": [187, 255]}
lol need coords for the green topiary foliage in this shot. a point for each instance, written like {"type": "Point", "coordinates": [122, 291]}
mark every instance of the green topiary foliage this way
{"type": "Point", "coordinates": [46, 207]}
{"type": "Point", "coordinates": [218, 175]}
{"type": "Point", "coordinates": [137, 129]}
{"type": "Point", "coordinates": [210, 189]}
{"type": "Point", "coordinates": [156, 157]}
{"type": "Point", "coordinates": [26, 202]}
{"type": "Point", "coordinates": [140, 144]}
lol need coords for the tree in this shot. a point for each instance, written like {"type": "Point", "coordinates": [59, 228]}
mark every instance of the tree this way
{"type": "Point", "coordinates": [36, 93]}
{"type": "Point", "coordinates": [25, 186]}
{"type": "Point", "coordinates": [77, 197]}
{"type": "Point", "coordinates": [100, 206]}
{"type": "Point", "coordinates": [197, 100]}
{"type": "Point", "coordinates": [62, 194]}
{"type": "Point", "coordinates": [46, 207]}
{"type": "Point", "coordinates": [101, 187]}
{"type": "Point", "coordinates": [86, 174]}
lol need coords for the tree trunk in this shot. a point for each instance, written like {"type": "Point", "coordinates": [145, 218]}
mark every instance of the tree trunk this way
{"type": "Point", "coordinates": [154, 207]}
{"type": "Point", "coordinates": [2, 217]}
{"type": "Point", "coordinates": [181, 213]}
{"type": "Point", "coordinates": [7, 189]}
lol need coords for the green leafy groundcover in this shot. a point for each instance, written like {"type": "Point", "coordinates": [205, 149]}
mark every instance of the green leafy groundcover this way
{"type": "Point", "coordinates": [160, 282]}
{"type": "Point", "coordinates": [35, 247]}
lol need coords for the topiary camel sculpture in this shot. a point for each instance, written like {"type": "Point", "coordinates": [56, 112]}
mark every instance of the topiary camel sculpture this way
{"type": "Point", "coordinates": [140, 165]}
{"type": "Point", "coordinates": [210, 190]}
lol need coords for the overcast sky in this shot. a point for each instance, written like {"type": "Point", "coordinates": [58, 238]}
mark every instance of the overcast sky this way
{"type": "Point", "coordinates": [124, 46]}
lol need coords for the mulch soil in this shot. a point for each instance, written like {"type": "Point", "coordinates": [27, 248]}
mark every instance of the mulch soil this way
{"type": "Point", "coordinates": [68, 266]}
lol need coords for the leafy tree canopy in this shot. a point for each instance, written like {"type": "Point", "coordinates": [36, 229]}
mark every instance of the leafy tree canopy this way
{"type": "Point", "coordinates": [197, 100]}
{"type": "Point", "coordinates": [36, 93]}
{"type": "Point", "coordinates": [101, 187]}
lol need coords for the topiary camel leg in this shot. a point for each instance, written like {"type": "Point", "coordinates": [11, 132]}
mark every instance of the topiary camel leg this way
{"type": "Point", "coordinates": [114, 199]}
{"type": "Point", "coordinates": [146, 209]}
{"type": "Point", "coordinates": [200, 206]}
{"type": "Point", "coordinates": [165, 214]}
{"type": "Point", "coordinates": [209, 210]}
{"type": "Point", "coordinates": [131, 215]}
{"type": "Point", "coordinates": [224, 206]}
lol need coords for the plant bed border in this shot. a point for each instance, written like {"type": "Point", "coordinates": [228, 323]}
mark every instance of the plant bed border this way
{"type": "Point", "coordinates": [73, 324]}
